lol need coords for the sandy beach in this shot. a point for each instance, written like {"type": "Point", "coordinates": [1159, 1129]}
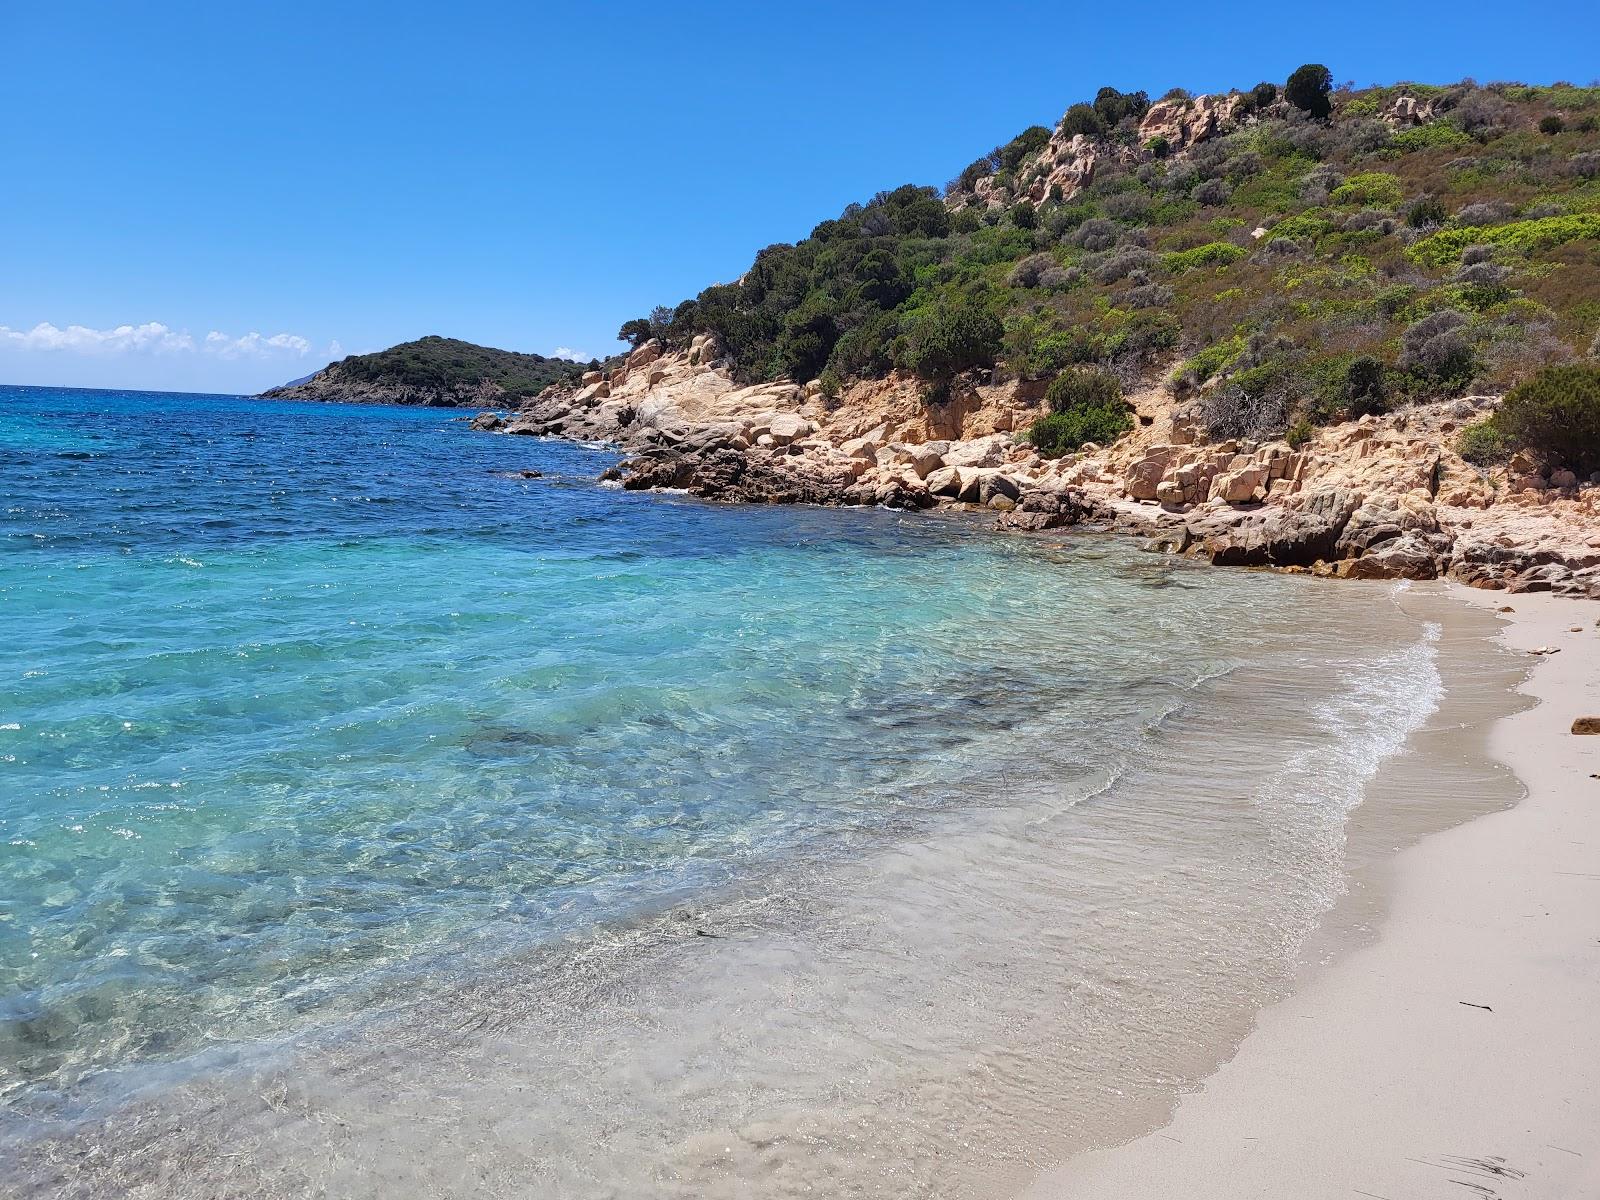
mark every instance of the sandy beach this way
{"type": "Point", "coordinates": [1455, 1054]}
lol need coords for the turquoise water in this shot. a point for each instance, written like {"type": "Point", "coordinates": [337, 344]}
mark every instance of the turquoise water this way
{"type": "Point", "coordinates": [309, 713]}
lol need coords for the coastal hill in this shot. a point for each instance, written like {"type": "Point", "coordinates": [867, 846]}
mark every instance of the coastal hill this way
{"type": "Point", "coordinates": [1296, 326]}
{"type": "Point", "coordinates": [435, 371]}
{"type": "Point", "coordinates": [1304, 252]}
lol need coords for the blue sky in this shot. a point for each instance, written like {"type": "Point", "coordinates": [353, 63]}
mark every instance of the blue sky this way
{"type": "Point", "coordinates": [221, 197]}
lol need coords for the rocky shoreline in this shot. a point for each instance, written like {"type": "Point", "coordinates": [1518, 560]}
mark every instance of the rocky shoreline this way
{"type": "Point", "coordinates": [1379, 498]}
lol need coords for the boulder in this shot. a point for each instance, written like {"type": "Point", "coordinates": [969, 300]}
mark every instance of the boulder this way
{"type": "Point", "coordinates": [946, 481]}
{"type": "Point", "coordinates": [1411, 556]}
{"type": "Point", "coordinates": [925, 460]}
{"type": "Point", "coordinates": [1586, 725]}
{"type": "Point", "coordinates": [1144, 477]}
{"type": "Point", "coordinates": [1243, 485]}
{"type": "Point", "coordinates": [1040, 509]}
{"type": "Point", "coordinates": [1288, 537]}
{"type": "Point", "coordinates": [787, 427]}
{"type": "Point", "coordinates": [487, 422]}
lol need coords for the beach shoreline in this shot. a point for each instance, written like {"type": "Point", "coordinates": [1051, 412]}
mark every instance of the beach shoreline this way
{"type": "Point", "coordinates": [1456, 1047]}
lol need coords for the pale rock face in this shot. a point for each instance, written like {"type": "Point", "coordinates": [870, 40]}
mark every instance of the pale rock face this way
{"type": "Point", "coordinates": [1385, 497]}
{"type": "Point", "coordinates": [1409, 110]}
{"type": "Point", "coordinates": [644, 355]}
{"type": "Point", "coordinates": [1184, 122]}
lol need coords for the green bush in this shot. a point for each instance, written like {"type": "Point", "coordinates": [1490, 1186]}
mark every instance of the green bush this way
{"type": "Point", "coordinates": [1552, 125]}
{"type": "Point", "coordinates": [1212, 254]}
{"type": "Point", "coordinates": [1520, 237]}
{"type": "Point", "coordinates": [1299, 433]}
{"type": "Point", "coordinates": [1083, 389]}
{"type": "Point", "coordinates": [1365, 389]}
{"type": "Point", "coordinates": [1425, 211]}
{"type": "Point", "coordinates": [1085, 406]}
{"type": "Point", "coordinates": [1483, 444]}
{"type": "Point", "coordinates": [1159, 146]}
{"type": "Point", "coordinates": [1429, 137]}
{"type": "Point", "coordinates": [1030, 141]}
{"type": "Point", "coordinates": [1308, 89]}
{"type": "Point", "coordinates": [1556, 413]}
{"type": "Point", "coordinates": [954, 337]}
{"type": "Point", "coordinates": [1372, 188]}
{"type": "Point", "coordinates": [1082, 118]}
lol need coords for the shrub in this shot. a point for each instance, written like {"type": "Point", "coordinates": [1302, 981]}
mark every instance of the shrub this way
{"type": "Point", "coordinates": [1483, 444]}
{"type": "Point", "coordinates": [1521, 237]}
{"type": "Point", "coordinates": [1030, 141]}
{"type": "Point", "coordinates": [1556, 413]}
{"type": "Point", "coordinates": [1028, 272]}
{"type": "Point", "coordinates": [1485, 212]}
{"type": "Point", "coordinates": [1148, 295]}
{"type": "Point", "coordinates": [1264, 94]}
{"type": "Point", "coordinates": [1299, 433]}
{"type": "Point", "coordinates": [1122, 262]}
{"type": "Point", "coordinates": [1552, 125]}
{"type": "Point", "coordinates": [954, 337]}
{"type": "Point", "coordinates": [1374, 188]}
{"type": "Point", "coordinates": [1097, 233]}
{"type": "Point", "coordinates": [1083, 389]}
{"type": "Point", "coordinates": [1082, 118]}
{"type": "Point", "coordinates": [1213, 192]}
{"type": "Point", "coordinates": [1425, 211]}
{"type": "Point", "coordinates": [1114, 106]}
{"type": "Point", "coordinates": [1365, 389]}
{"type": "Point", "coordinates": [1159, 146]}
{"type": "Point", "coordinates": [1308, 89]}
{"type": "Point", "coordinates": [1212, 254]}
{"type": "Point", "coordinates": [1428, 137]}
{"type": "Point", "coordinates": [1435, 350]}
{"type": "Point", "coordinates": [1085, 406]}
{"type": "Point", "coordinates": [830, 383]}
{"type": "Point", "coordinates": [1586, 165]}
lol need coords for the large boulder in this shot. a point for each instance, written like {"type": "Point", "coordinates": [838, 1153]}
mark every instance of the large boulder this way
{"type": "Point", "coordinates": [1042, 509]}
{"type": "Point", "coordinates": [787, 427]}
{"type": "Point", "coordinates": [1297, 536]}
{"type": "Point", "coordinates": [946, 481]}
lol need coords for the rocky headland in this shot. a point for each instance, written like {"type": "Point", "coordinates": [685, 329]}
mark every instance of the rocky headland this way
{"type": "Point", "coordinates": [435, 372]}
{"type": "Point", "coordinates": [1381, 497]}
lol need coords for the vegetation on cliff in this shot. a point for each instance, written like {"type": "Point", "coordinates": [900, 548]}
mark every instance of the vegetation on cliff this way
{"type": "Point", "coordinates": [1556, 414]}
{"type": "Point", "coordinates": [435, 370]}
{"type": "Point", "coordinates": [1304, 254]}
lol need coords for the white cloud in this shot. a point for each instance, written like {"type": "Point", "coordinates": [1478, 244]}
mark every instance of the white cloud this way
{"type": "Point", "coordinates": [569, 353]}
{"type": "Point", "coordinates": [151, 338]}
{"type": "Point", "coordinates": [254, 345]}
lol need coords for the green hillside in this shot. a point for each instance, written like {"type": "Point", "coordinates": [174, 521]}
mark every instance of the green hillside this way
{"type": "Point", "coordinates": [442, 363]}
{"type": "Point", "coordinates": [434, 370]}
{"type": "Point", "coordinates": [1318, 253]}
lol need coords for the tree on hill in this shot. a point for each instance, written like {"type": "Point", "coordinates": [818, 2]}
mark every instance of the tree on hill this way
{"type": "Point", "coordinates": [1308, 89]}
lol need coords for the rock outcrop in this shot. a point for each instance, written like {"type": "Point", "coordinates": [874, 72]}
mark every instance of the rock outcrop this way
{"type": "Point", "coordinates": [1379, 498]}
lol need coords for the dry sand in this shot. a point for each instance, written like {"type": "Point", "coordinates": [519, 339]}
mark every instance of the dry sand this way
{"type": "Point", "coordinates": [1458, 1053]}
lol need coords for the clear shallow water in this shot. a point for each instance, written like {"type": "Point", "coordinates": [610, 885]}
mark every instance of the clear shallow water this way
{"type": "Point", "coordinates": [317, 715]}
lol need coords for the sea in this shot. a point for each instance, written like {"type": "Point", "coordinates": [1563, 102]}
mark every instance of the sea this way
{"type": "Point", "coordinates": [388, 808]}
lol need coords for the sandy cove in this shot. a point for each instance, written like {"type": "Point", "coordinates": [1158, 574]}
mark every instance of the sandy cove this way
{"type": "Point", "coordinates": [1456, 1055]}
{"type": "Point", "coordinates": [1379, 498]}
{"type": "Point", "coordinates": [1457, 1052]}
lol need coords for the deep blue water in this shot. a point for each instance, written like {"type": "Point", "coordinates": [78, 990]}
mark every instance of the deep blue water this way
{"type": "Point", "coordinates": [299, 703]}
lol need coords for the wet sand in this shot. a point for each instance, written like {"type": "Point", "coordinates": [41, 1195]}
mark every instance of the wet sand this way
{"type": "Point", "coordinates": [1457, 1052]}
